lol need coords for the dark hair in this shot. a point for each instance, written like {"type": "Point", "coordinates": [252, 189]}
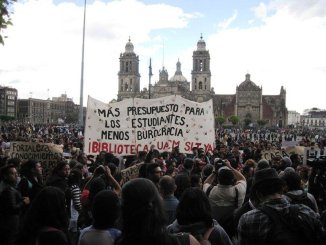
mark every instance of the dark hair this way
{"type": "Point", "coordinates": [194, 207]}
{"type": "Point", "coordinates": [207, 170]}
{"type": "Point", "coordinates": [167, 185]}
{"type": "Point", "coordinates": [47, 210]}
{"type": "Point", "coordinates": [59, 168]}
{"type": "Point", "coordinates": [268, 188]}
{"type": "Point", "coordinates": [105, 209]}
{"type": "Point", "coordinates": [292, 180]}
{"type": "Point", "coordinates": [143, 216]}
{"type": "Point", "coordinates": [75, 177]}
{"type": "Point", "coordinates": [108, 157]}
{"type": "Point", "coordinates": [14, 161]}
{"type": "Point", "coordinates": [188, 163]}
{"type": "Point", "coordinates": [5, 170]}
{"type": "Point", "coordinates": [183, 182]}
{"type": "Point", "coordinates": [27, 167]}
{"type": "Point", "coordinates": [194, 180]}
{"type": "Point", "coordinates": [225, 176]}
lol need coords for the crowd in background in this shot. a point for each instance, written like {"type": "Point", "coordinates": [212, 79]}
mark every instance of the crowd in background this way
{"type": "Point", "coordinates": [227, 196]}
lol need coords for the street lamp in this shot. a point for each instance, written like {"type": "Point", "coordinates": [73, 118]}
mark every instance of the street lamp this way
{"type": "Point", "coordinates": [81, 109]}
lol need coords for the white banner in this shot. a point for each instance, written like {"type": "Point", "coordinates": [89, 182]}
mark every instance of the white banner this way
{"type": "Point", "coordinates": [133, 125]}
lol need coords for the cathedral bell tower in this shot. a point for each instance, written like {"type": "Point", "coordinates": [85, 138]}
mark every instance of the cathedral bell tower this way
{"type": "Point", "coordinates": [129, 77]}
{"type": "Point", "coordinates": [201, 73]}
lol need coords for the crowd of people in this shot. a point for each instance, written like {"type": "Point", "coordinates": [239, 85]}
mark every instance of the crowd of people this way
{"type": "Point", "coordinates": [228, 196]}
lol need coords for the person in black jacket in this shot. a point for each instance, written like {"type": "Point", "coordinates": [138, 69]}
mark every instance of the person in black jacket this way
{"type": "Point", "coordinates": [11, 204]}
{"type": "Point", "coordinates": [46, 221]}
{"type": "Point", "coordinates": [31, 182]}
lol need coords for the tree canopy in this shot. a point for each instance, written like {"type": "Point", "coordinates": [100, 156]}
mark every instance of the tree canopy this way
{"type": "Point", "coordinates": [5, 20]}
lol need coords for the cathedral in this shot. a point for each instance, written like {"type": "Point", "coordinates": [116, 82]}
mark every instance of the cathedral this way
{"type": "Point", "coordinates": [248, 103]}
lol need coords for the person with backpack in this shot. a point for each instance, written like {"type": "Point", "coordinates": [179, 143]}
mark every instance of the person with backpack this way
{"type": "Point", "coordinates": [276, 221]}
{"type": "Point", "coordinates": [194, 216]}
{"type": "Point", "coordinates": [227, 196]}
{"type": "Point", "coordinates": [294, 191]}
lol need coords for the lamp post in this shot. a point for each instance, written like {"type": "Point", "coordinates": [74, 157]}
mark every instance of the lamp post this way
{"type": "Point", "coordinates": [81, 109]}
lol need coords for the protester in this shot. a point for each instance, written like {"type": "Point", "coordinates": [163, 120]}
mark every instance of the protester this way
{"type": "Point", "coordinates": [227, 195]}
{"type": "Point", "coordinates": [297, 224]}
{"type": "Point", "coordinates": [194, 216]}
{"type": "Point", "coordinates": [46, 221]}
{"type": "Point", "coordinates": [74, 183]}
{"type": "Point", "coordinates": [295, 193]}
{"type": "Point", "coordinates": [31, 182]}
{"type": "Point", "coordinates": [167, 188]}
{"type": "Point", "coordinates": [11, 204]}
{"type": "Point", "coordinates": [105, 212]}
{"type": "Point", "coordinates": [143, 217]}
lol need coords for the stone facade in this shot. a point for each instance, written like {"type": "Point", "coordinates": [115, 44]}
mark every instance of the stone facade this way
{"type": "Point", "coordinates": [248, 103]}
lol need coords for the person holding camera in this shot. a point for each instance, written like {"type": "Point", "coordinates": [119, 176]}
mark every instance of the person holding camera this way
{"type": "Point", "coordinates": [227, 195]}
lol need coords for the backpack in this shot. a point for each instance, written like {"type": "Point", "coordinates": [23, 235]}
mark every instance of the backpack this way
{"type": "Point", "coordinates": [225, 214]}
{"type": "Point", "coordinates": [300, 199]}
{"type": "Point", "coordinates": [289, 228]}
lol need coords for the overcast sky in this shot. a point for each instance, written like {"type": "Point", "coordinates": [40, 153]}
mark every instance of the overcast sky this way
{"type": "Point", "coordinates": [280, 43]}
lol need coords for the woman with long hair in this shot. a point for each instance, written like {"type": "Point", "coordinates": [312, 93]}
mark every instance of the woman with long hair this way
{"type": "Point", "coordinates": [31, 182]}
{"type": "Point", "coordinates": [143, 217]}
{"type": "Point", "coordinates": [46, 221]}
{"type": "Point", "coordinates": [194, 216]}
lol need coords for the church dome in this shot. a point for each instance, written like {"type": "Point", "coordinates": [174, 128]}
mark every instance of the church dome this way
{"type": "Point", "coordinates": [129, 47]}
{"type": "Point", "coordinates": [201, 45]}
{"type": "Point", "coordinates": [248, 85]}
{"type": "Point", "coordinates": [178, 77]}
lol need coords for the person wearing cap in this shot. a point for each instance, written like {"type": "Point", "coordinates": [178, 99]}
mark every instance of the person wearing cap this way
{"type": "Point", "coordinates": [229, 179]}
{"type": "Point", "coordinates": [255, 226]}
{"type": "Point", "coordinates": [227, 195]}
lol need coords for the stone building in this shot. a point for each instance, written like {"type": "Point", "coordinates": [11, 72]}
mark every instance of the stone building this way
{"type": "Point", "coordinates": [58, 110]}
{"type": "Point", "coordinates": [8, 102]}
{"type": "Point", "coordinates": [314, 118]}
{"type": "Point", "coordinates": [248, 103]}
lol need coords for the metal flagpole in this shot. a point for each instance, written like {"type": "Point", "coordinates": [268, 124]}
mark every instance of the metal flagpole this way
{"type": "Point", "coordinates": [81, 109]}
{"type": "Point", "coordinates": [150, 74]}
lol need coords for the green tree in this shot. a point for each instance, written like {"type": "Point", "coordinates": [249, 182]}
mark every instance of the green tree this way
{"type": "Point", "coordinates": [219, 120]}
{"type": "Point", "coordinates": [234, 119]}
{"type": "Point", "coordinates": [5, 19]}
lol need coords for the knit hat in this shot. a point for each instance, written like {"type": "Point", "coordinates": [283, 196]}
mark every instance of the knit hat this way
{"type": "Point", "coordinates": [267, 175]}
{"type": "Point", "coordinates": [287, 162]}
{"type": "Point", "coordinates": [263, 163]}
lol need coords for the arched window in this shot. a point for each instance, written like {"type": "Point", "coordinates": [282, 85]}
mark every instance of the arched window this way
{"type": "Point", "coordinates": [126, 87]}
{"type": "Point", "coordinates": [127, 66]}
{"type": "Point", "coordinates": [200, 85]}
{"type": "Point", "coordinates": [200, 65]}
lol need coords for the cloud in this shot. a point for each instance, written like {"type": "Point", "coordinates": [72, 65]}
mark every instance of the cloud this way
{"type": "Point", "coordinates": [285, 49]}
{"type": "Point", "coordinates": [44, 47]}
{"type": "Point", "coordinates": [260, 11]}
{"type": "Point", "coordinates": [226, 23]}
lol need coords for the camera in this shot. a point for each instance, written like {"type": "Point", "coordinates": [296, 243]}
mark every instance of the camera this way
{"type": "Point", "coordinates": [218, 163]}
{"type": "Point", "coordinates": [317, 162]}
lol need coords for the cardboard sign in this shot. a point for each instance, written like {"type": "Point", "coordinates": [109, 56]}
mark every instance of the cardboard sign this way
{"type": "Point", "coordinates": [270, 154]}
{"type": "Point", "coordinates": [134, 125]}
{"type": "Point", "coordinates": [130, 173]}
{"type": "Point", "coordinates": [46, 153]}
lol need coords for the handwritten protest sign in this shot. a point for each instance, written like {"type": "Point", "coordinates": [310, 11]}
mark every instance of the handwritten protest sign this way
{"type": "Point", "coordinates": [270, 154]}
{"type": "Point", "coordinates": [130, 173]}
{"type": "Point", "coordinates": [133, 125]}
{"type": "Point", "coordinates": [46, 153]}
